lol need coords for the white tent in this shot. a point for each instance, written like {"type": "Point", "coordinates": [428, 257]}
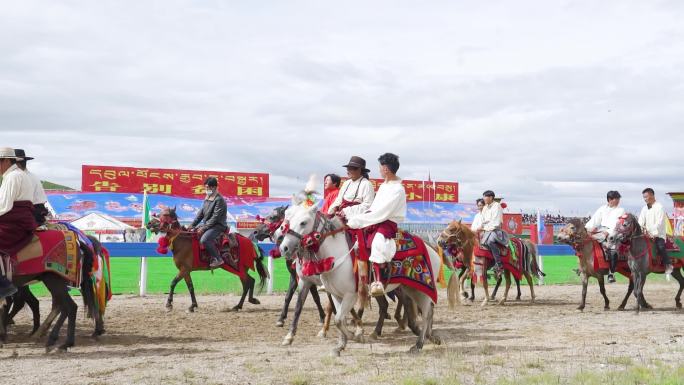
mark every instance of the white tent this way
{"type": "Point", "coordinates": [107, 229]}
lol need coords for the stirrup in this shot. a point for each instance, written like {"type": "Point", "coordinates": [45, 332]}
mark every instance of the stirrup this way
{"type": "Point", "coordinates": [611, 278]}
{"type": "Point", "coordinates": [377, 289]}
{"type": "Point", "coordinates": [215, 263]}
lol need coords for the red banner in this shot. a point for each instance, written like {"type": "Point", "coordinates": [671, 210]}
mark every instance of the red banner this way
{"type": "Point", "coordinates": [185, 183]}
{"type": "Point", "coordinates": [512, 224]}
{"type": "Point", "coordinates": [425, 191]}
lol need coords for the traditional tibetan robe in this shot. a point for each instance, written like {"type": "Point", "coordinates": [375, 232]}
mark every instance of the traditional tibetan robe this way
{"type": "Point", "coordinates": [16, 211]}
{"type": "Point", "coordinates": [355, 197]}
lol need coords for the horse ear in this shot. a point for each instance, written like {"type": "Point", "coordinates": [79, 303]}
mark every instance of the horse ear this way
{"type": "Point", "coordinates": [460, 220]}
{"type": "Point", "coordinates": [174, 208]}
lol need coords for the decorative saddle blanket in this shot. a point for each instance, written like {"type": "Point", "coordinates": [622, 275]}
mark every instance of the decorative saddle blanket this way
{"type": "Point", "coordinates": [601, 261]}
{"type": "Point", "coordinates": [411, 265]}
{"type": "Point", "coordinates": [51, 250]}
{"type": "Point", "coordinates": [655, 261]}
{"type": "Point", "coordinates": [511, 258]}
{"type": "Point", "coordinates": [237, 252]}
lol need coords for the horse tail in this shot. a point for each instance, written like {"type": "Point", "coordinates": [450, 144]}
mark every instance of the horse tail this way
{"type": "Point", "coordinates": [87, 286]}
{"type": "Point", "coordinates": [259, 264]}
{"type": "Point", "coordinates": [532, 255]}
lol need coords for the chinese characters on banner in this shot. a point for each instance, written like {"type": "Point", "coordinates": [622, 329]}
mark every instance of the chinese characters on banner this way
{"type": "Point", "coordinates": [425, 191]}
{"type": "Point", "coordinates": [184, 183]}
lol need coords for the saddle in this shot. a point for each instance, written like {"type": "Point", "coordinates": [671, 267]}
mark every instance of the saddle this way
{"type": "Point", "coordinates": [227, 245]}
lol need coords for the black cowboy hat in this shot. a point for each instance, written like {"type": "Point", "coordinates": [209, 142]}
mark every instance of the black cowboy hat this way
{"type": "Point", "coordinates": [21, 155]}
{"type": "Point", "coordinates": [357, 161]}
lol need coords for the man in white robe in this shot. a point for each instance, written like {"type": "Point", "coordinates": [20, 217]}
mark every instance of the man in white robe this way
{"type": "Point", "coordinates": [492, 234]}
{"type": "Point", "coordinates": [356, 193]}
{"type": "Point", "coordinates": [601, 226]}
{"type": "Point", "coordinates": [652, 220]}
{"type": "Point", "coordinates": [40, 211]}
{"type": "Point", "coordinates": [380, 221]}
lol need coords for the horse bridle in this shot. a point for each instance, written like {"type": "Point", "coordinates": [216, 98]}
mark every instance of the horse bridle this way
{"type": "Point", "coordinates": [311, 241]}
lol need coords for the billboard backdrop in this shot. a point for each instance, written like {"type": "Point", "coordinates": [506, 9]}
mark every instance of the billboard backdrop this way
{"type": "Point", "coordinates": [425, 191]}
{"type": "Point", "coordinates": [184, 183]}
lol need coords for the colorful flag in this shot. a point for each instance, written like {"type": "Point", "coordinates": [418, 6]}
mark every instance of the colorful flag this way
{"type": "Point", "coordinates": [541, 228]}
{"type": "Point", "coordinates": [146, 217]}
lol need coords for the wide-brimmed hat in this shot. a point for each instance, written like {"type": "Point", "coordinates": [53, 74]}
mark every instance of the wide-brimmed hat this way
{"type": "Point", "coordinates": [21, 155]}
{"type": "Point", "coordinates": [7, 153]}
{"type": "Point", "coordinates": [357, 161]}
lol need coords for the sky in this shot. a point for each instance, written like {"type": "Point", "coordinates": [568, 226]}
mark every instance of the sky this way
{"type": "Point", "coordinates": [548, 103]}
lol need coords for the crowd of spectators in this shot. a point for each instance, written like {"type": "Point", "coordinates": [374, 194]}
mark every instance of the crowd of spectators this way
{"type": "Point", "coordinates": [530, 219]}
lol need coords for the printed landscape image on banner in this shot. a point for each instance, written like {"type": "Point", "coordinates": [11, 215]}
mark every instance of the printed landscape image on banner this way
{"type": "Point", "coordinates": [184, 183]}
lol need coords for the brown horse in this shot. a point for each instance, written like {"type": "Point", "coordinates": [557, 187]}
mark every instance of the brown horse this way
{"type": "Point", "coordinates": [575, 235]}
{"type": "Point", "coordinates": [458, 239]}
{"type": "Point", "coordinates": [181, 242]}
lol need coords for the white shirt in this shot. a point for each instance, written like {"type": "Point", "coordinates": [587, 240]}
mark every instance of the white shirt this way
{"type": "Point", "coordinates": [653, 220]}
{"type": "Point", "coordinates": [38, 191]}
{"type": "Point", "coordinates": [606, 217]}
{"type": "Point", "coordinates": [360, 190]}
{"type": "Point", "coordinates": [16, 186]}
{"type": "Point", "coordinates": [492, 217]}
{"type": "Point", "coordinates": [389, 204]}
{"type": "Point", "coordinates": [477, 222]}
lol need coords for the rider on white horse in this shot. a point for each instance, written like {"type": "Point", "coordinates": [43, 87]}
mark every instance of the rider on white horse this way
{"type": "Point", "coordinates": [601, 226]}
{"type": "Point", "coordinates": [380, 221]}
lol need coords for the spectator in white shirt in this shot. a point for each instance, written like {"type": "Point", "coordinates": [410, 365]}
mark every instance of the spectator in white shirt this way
{"type": "Point", "coordinates": [652, 221]}
{"type": "Point", "coordinates": [477, 219]}
{"type": "Point", "coordinates": [601, 226]}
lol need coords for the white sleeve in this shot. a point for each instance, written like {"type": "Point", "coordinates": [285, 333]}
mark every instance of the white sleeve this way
{"type": "Point", "coordinates": [594, 221]}
{"type": "Point", "coordinates": [367, 195]}
{"type": "Point", "coordinates": [642, 217]}
{"type": "Point", "coordinates": [382, 210]}
{"type": "Point", "coordinates": [38, 192]}
{"type": "Point", "coordinates": [9, 191]}
{"type": "Point", "coordinates": [338, 199]}
{"type": "Point", "coordinates": [660, 218]}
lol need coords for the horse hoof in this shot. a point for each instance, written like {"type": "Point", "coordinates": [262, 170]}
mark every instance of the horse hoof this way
{"type": "Point", "coordinates": [414, 350]}
{"type": "Point", "coordinates": [191, 309]}
{"type": "Point", "coordinates": [287, 341]}
{"type": "Point", "coordinates": [679, 305]}
{"type": "Point", "coordinates": [335, 353]}
{"type": "Point", "coordinates": [373, 336]}
{"type": "Point", "coordinates": [169, 308]}
{"type": "Point", "coordinates": [279, 323]}
{"type": "Point", "coordinates": [606, 308]}
{"type": "Point", "coordinates": [436, 340]}
{"type": "Point", "coordinates": [518, 299]}
{"type": "Point", "coordinates": [580, 308]}
{"type": "Point", "coordinates": [621, 308]}
{"type": "Point", "coordinates": [254, 301]}
{"type": "Point", "coordinates": [321, 334]}
{"type": "Point", "coordinates": [502, 302]}
{"type": "Point", "coordinates": [321, 323]}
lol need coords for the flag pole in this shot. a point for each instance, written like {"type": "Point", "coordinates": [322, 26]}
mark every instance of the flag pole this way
{"type": "Point", "coordinates": [148, 235]}
{"type": "Point", "coordinates": [540, 235]}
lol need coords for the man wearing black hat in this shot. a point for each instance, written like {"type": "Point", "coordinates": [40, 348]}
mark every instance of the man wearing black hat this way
{"type": "Point", "coordinates": [214, 213]}
{"type": "Point", "coordinates": [40, 211]}
{"type": "Point", "coordinates": [356, 193]}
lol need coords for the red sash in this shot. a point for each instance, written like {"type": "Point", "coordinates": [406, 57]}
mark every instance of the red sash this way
{"type": "Point", "coordinates": [16, 227]}
{"type": "Point", "coordinates": [365, 236]}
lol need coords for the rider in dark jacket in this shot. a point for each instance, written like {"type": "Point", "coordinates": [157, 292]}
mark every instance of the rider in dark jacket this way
{"type": "Point", "coordinates": [213, 213]}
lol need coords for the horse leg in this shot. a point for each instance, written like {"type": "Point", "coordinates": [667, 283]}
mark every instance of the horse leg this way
{"type": "Point", "coordinates": [517, 285]}
{"type": "Point", "coordinates": [472, 291]}
{"type": "Point", "coordinates": [68, 309]}
{"type": "Point", "coordinates": [530, 282]}
{"type": "Point", "coordinates": [496, 288]}
{"type": "Point", "coordinates": [677, 274]}
{"type": "Point", "coordinates": [602, 288]}
{"type": "Point", "coordinates": [637, 290]}
{"type": "Point", "coordinates": [191, 289]}
{"type": "Point", "coordinates": [427, 310]}
{"type": "Point", "coordinates": [42, 330]}
{"type": "Point", "coordinates": [329, 310]}
{"type": "Point", "coordinates": [301, 299]}
{"type": "Point", "coordinates": [34, 305]}
{"type": "Point", "coordinates": [343, 308]}
{"type": "Point", "coordinates": [585, 283]}
{"type": "Point", "coordinates": [630, 288]}
{"type": "Point", "coordinates": [288, 298]}
{"type": "Point", "coordinates": [317, 300]}
{"type": "Point", "coordinates": [174, 282]}
{"type": "Point", "coordinates": [485, 287]}
{"type": "Point", "coordinates": [644, 304]}
{"type": "Point", "coordinates": [247, 282]}
{"type": "Point", "coordinates": [507, 276]}
{"type": "Point", "coordinates": [250, 297]}
{"type": "Point", "coordinates": [383, 305]}
{"type": "Point", "coordinates": [451, 288]}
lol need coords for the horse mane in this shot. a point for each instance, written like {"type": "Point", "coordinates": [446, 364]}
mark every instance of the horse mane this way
{"type": "Point", "coordinates": [576, 222]}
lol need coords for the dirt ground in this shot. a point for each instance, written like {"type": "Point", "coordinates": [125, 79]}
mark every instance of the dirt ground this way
{"type": "Point", "coordinates": [517, 343]}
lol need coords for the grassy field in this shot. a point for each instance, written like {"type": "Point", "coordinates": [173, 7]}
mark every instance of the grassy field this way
{"type": "Point", "coordinates": [126, 275]}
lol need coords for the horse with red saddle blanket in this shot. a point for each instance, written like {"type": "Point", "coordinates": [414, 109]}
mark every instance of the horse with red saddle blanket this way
{"type": "Point", "coordinates": [519, 259]}
{"type": "Point", "coordinates": [240, 254]}
{"type": "Point", "coordinates": [62, 257]}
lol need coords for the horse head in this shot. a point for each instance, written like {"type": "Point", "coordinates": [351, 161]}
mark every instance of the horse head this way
{"type": "Point", "coordinates": [627, 228]}
{"type": "Point", "coordinates": [454, 237]}
{"type": "Point", "coordinates": [165, 221]}
{"type": "Point", "coordinates": [297, 223]}
{"type": "Point", "coordinates": [573, 233]}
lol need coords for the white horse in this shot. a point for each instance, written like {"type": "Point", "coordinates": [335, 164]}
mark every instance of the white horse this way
{"type": "Point", "coordinates": [339, 281]}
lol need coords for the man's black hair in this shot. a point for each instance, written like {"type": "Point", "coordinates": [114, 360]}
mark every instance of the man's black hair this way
{"type": "Point", "coordinates": [488, 193]}
{"type": "Point", "coordinates": [211, 181]}
{"type": "Point", "coordinates": [612, 194]}
{"type": "Point", "coordinates": [390, 160]}
{"type": "Point", "coordinates": [648, 190]}
{"type": "Point", "coordinates": [335, 179]}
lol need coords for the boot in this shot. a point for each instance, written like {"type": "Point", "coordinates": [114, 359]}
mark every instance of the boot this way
{"type": "Point", "coordinates": [6, 287]}
{"type": "Point", "coordinates": [611, 278]}
{"type": "Point", "coordinates": [377, 289]}
{"type": "Point", "coordinates": [215, 262]}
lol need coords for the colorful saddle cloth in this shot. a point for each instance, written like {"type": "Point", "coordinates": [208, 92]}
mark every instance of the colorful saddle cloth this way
{"type": "Point", "coordinates": [511, 258]}
{"type": "Point", "coordinates": [411, 265]}
{"type": "Point", "coordinates": [238, 254]}
{"type": "Point", "coordinates": [51, 250]}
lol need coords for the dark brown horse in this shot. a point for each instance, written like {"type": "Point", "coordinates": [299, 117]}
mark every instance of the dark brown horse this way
{"type": "Point", "coordinates": [640, 252]}
{"type": "Point", "coordinates": [64, 307]}
{"type": "Point", "coordinates": [181, 242]}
